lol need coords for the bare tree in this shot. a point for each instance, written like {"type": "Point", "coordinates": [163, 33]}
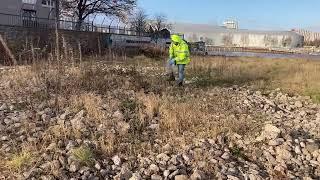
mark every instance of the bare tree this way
{"type": "Point", "coordinates": [139, 21]}
{"type": "Point", "coordinates": [81, 9]}
{"type": "Point", "coordinates": [160, 22]}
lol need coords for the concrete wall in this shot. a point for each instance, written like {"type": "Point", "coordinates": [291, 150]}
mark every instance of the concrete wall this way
{"type": "Point", "coordinates": [19, 40]}
{"type": "Point", "coordinates": [117, 40]}
{"type": "Point", "coordinates": [124, 41]}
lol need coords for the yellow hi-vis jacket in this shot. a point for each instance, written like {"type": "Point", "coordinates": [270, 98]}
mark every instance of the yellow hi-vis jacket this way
{"type": "Point", "coordinates": [179, 52]}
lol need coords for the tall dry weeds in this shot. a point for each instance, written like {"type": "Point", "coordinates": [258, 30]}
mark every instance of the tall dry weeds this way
{"type": "Point", "coordinates": [91, 102]}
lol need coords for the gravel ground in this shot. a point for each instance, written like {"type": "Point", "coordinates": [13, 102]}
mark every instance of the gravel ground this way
{"type": "Point", "coordinates": [40, 141]}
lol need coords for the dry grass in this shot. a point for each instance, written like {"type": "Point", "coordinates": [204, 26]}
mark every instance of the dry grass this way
{"type": "Point", "coordinates": [60, 132]}
{"type": "Point", "coordinates": [151, 103]}
{"type": "Point", "coordinates": [90, 102]}
{"type": "Point", "coordinates": [228, 71]}
{"type": "Point", "coordinates": [83, 155]}
{"type": "Point", "coordinates": [180, 117]}
{"type": "Point", "coordinates": [291, 75]}
{"type": "Point", "coordinates": [203, 119]}
{"type": "Point", "coordinates": [11, 166]}
{"type": "Point", "coordinates": [107, 143]}
{"type": "Point", "coordinates": [20, 160]}
{"type": "Point", "coordinates": [182, 114]}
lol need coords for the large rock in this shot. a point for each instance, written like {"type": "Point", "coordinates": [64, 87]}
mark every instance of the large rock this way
{"type": "Point", "coordinates": [276, 142]}
{"type": "Point", "coordinates": [46, 166]}
{"type": "Point", "coordinates": [49, 177]}
{"type": "Point", "coordinates": [3, 107]}
{"type": "Point", "coordinates": [65, 115]}
{"type": "Point", "coordinates": [298, 104]}
{"type": "Point", "coordinates": [7, 121]}
{"type": "Point", "coordinates": [198, 175]}
{"type": "Point", "coordinates": [156, 177]}
{"type": "Point", "coordinates": [297, 150]}
{"type": "Point", "coordinates": [116, 160]}
{"type": "Point", "coordinates": [74, 167]}
{"type": "Point", "coordinates": [163, 157]}
{"type": "Point", "coordinates": [4, 138]}
{"type": "Point", "coordinates": [225, 156]}
{"type": "Point", "coordinates": [77, 122]}
{"type": "Point", "coordinates": [154, 168]}
{"type": "Point", "coordinates": [97, 166]}
{"type": "Point", "coordinates": [311, 147]}
{"type": "Point", "coordinates": [166, 173]}
{"type": "Point", "coordinates": [282, 153]}
{"type": "Point", "coordinates": [231, 177]}
{"type": "Point", "coordinates": [154, 127]}
{"type": "Point", "coordinates": [187, 158]}
{"type": "Point", "coordinates": [135, 176]}
{"type": "Point", "coordinates": [80, 114]}
{"type": "Point", "coordinates": [125, 173]}
{"type": "Point", "coordinates": [123, 127]}
{"type": "Point", "coordinates": [55, 164]}
{"type": "Point", "coordinates": [269, 132]}
{"type": "Point", "coordinates": [181, 177]}
{"type": "Point", "coordinates": [118, 115]}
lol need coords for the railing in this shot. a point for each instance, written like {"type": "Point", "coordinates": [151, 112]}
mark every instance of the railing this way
{"type": "Point", "coordinates": [46, 23]}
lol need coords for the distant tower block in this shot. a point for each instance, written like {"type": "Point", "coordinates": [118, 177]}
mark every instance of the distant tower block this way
{"type": "Point", "coordinates": [230, 24]}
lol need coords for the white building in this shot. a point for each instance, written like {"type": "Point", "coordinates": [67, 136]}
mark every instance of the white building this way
{"type": "Point", "coordinates": [232, 37]}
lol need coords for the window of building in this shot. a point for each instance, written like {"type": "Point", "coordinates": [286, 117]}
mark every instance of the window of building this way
{"type": "Point", "coordinates": [29, 14]}
{"type": "Point", "coordinates": [29, 18]}
{"type": "Point", "coordinates": [29, 1]}
{"type": "Point", "coordinates": [48, 3]}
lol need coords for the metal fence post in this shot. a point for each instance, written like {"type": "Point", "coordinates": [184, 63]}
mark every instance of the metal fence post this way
{"type": "Point", "coordinates": [92, 26]}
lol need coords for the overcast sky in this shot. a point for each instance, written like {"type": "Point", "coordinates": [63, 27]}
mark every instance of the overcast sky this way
{"type": "Point", "coordinates": [251, 14]}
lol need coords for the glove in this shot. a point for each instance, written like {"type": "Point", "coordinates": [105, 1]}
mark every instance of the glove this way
{"type": "Point", "coordinates": [172, 61]}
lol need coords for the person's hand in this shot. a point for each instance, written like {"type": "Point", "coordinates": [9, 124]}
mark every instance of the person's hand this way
{"type": "Point", "coordinates": [174, 61]}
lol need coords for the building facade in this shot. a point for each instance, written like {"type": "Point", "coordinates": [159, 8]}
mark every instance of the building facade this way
{"type": "Point", "coordinates": [309, 36]}
{"type": "Point", "coordinates": [231, 24]}
{"type": "Point", "coordinates": [13, 12]}
{"type": "Point", "coordinates": [228, 37]}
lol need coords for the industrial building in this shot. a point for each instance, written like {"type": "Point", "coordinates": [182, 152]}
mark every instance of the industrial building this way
{"type": "Point", "coordinates": [28, 12]}
{"type": "Point", "coordinates": [30, 8]}
{"type": "Point", "coordinates": [233, 37]}
{"type": "Point", "coordinates": [309, 36]}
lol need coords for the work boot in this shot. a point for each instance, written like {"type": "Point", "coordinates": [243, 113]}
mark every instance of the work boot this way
{"type": "Point", "coordinates": [180, 83]}
{"type": "Point", "coordinates": [171, 77]}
